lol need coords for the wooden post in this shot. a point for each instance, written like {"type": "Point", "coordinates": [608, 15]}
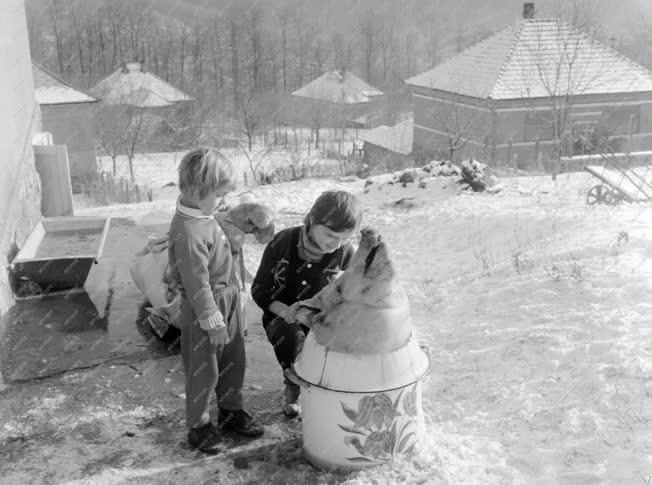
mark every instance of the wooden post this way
{"type": "Point", "coordinates": [509, 152]}
{"type": "Point", "coordinates": [536, 153]}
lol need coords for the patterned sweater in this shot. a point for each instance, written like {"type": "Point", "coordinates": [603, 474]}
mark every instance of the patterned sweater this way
{"type": "Point", "coordinates": [200, 261]}
{"type": "Point", "coordinates": [284, 276]}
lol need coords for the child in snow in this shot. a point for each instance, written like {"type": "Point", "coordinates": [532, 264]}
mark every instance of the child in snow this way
{"type": "Point", "coordinates": [295, 266]}
{"type": "Point", "coordinates": [212, 326]}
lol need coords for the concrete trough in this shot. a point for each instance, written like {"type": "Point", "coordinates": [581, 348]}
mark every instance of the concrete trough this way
{"type": "Point", "coordinates": [58, 255]}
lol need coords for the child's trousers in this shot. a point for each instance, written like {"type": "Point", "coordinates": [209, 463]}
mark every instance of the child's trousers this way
{"type": "Point", "coordinates": [211, 367]}
{"type": "Point", "coordinates": [287, 340]}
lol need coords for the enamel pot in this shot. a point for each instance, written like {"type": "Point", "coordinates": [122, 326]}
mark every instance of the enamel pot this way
{"type": "Point", "coordinates": [359, 410]}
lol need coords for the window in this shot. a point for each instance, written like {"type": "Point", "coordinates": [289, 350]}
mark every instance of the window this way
{"type": "Point", "coordinates": [622, 120]}
{"type": "Point", "coordinates": [538, 126]}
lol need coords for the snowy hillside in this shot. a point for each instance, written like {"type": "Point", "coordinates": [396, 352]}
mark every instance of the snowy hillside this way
{"type": "Point", "coordinates": [538, 311]}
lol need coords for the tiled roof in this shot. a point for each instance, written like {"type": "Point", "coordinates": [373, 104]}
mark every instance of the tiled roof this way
{"type": "Point", "coordinates": [131, 85]}
{"type": "Point", "coordinates": [49, 89]}
{"type": "Point", "coordinates": [397, 138]}
{"type": "Point", "coordinates": [537, 58]}
{"type": "Point", "coordinates": [338, 87]}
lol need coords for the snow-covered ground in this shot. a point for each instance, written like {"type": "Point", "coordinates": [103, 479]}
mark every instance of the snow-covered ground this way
{"type": "Point", "coordinates": [538, 311]}
{"type": "Point", "coordinates": [156, 170]}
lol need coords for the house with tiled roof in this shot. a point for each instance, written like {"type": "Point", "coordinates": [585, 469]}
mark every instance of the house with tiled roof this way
{"type": "Point", "coordinates": [67, 114]}
{"type": "Point", "coordinates": [335, 99]}
{"type": "Point", "coordinates": [133, 85]}
{"type": "Point", "coordinates": [339, 87]}
{"type": "Point", "coordinates": [389, 146]}
{"type": "Point", "coordinates": [536, 88]}
{"type": "Point", "coordinates": [165, 109]}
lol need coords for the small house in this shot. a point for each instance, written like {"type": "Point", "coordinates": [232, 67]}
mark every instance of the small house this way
{"type": "Point", "coordinates": [165, 108]}
{"type": "Point", "coordinates": [389, 147]}
{"type": "Point", "coordinates": [334, 99]}
{"type": "Point", "coordinates": [67, 114]}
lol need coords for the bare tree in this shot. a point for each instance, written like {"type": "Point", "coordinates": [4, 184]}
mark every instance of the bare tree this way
{"type": "Point", "coordinates": [109, 131]}
{"type": "Point", "coordinates": [254, 21]}
{"type": "Point", "coordinates": [369, 33]}
{"type": "Point", "coordinates": [255, 160]}
{"type": "Point", "coordinates": [462, 126]}
{"type": "Point", "coordinates": [561, 63]}
{"type": "Point", "coordinates": [55, 13]}
{"type": "Point", "coordinates": [234, 63]}
{"type": "Point", "coordinates": [255, 113]}
{"type": "Point", "coordinates": [135, 118]}
{"type": "Point", "coordinates": [120, 126]}
{"type": "Point", "coordinates": [284, 49]}
{"type": "Point", "coordinates": [217, 55]}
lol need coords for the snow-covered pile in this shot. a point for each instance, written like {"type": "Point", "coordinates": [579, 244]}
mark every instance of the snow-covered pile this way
{"type": "Point", "coordinates": [441, 168]}
{"type": "Point", "coordinates": [470, 174]}
{"type": "Point", "coordinates": [476, 175]}
{"type": "Point", "coordinates": [436, 181]}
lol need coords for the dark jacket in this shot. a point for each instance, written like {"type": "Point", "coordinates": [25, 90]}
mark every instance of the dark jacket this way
{"type": "Point", "coordinates": [284, 276]}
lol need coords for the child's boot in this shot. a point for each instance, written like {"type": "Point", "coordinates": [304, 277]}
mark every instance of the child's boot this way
{"type": "Point", "coordinates": [292, 407]}
{"type": "Point", "coordinates": [205, 438]}
{"type": "Point", "coordinates": [239, 421]}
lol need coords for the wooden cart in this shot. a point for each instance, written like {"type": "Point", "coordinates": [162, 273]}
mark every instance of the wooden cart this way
{"type": "Point", "coordinates": [618, 185]}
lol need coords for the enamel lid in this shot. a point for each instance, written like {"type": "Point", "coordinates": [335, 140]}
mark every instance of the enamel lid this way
{"type": "Point", "coordinates": [338, 371]}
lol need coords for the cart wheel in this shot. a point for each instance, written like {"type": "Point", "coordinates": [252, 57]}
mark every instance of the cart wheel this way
{"type": "Point", "coordinates": [613, 197]}
{"type": "Point", "coordinates": [597, 195]}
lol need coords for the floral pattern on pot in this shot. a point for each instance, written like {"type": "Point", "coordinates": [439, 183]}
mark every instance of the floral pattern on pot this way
{"type": "Point", "coordinates": [376, 433]}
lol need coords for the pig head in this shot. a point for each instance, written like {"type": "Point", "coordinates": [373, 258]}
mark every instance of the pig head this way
{"type": "Point", "coordinates": [365, 310]}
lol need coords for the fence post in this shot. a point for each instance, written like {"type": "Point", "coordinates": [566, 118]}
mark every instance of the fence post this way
{"type": "Point", "coordinates": [509, 152]}
{"type": "Point", "coordinates": [536, 154]}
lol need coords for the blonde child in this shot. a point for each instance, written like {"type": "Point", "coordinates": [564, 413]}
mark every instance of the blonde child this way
{"type": "Point", "coordinates": [212, 326]}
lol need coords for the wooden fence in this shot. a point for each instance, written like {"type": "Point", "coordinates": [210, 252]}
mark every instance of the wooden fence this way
{"type": "Point", "coordinates": [107, 189]}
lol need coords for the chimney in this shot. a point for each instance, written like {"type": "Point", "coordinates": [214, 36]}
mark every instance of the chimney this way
{"type": "Point", "coordinates": [528, 10]}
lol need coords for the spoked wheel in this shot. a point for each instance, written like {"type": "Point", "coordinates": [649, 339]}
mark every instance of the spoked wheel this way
{"type": "Point", "coordinates": [614, 197]}
{"type": "Point", "coordinates": [598, 195]}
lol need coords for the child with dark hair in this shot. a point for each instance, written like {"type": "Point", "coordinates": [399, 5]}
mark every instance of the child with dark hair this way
{"type": "Point", "coordinates": [212, 324]}
{"type": "Point", "coordinates": [295, 266]}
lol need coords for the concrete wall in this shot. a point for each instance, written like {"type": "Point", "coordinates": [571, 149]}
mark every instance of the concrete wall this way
{"type": "Point", "coordinates": [72, 125]}
{"type": "Point", "coordinates": [19, 119]}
